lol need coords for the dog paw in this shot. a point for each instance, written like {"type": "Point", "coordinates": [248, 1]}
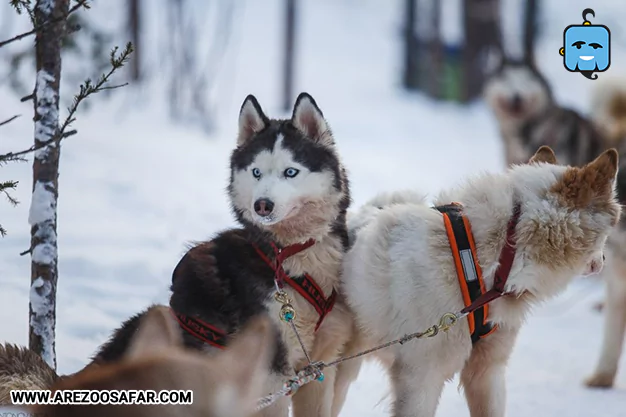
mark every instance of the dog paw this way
{"type": "Point", "coordinates": [600, 381]}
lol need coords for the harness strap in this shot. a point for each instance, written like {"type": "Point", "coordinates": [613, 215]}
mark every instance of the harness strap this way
{"type": "Point", "coordinates": [304, 285]}
{"type": "Point", "coordinates": [507, 255]}
{"type": "Point", "coordinates": [468, 269]}
{"type": "Point", "coordinates": [201, 330]}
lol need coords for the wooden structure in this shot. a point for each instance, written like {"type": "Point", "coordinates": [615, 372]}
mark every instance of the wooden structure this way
{"type": "Point", "coordinates": [446, 49]}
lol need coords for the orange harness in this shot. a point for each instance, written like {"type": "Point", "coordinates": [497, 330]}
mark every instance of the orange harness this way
{"type": "Point", "coordinates": [467, 268]}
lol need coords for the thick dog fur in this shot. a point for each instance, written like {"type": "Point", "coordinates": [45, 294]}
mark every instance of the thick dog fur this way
{"type": "Point", "coordinates": [225, 282]}
{"type": "Point", "coordinates": [226, 385]}
{"type": "Point", "coordinates": [21, 368]}
{"type": "Point", "coordinates": [528, 116]}
{"type": "Point", "coordinates": [399, 276]}
{"type": "Point", "coordinates": [538, 121]}
{"type": "Point", "coordinates": [608, 104]}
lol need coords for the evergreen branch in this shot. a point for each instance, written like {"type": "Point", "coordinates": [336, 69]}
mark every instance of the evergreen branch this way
{"type": "Point", "coordinates": [9, 120]}
{"type": "Point", "coordinates": [4, 188]}
{"type": "Point", "coordinates": [25, 5]}
{"type": "Point", "coordinates": [88, 88]}
{"type": "Point", "coordinates": [5, 159]}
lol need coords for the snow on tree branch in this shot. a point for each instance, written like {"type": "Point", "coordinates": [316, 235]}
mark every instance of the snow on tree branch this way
{"type": "Point", "coordinates": [88, 88]}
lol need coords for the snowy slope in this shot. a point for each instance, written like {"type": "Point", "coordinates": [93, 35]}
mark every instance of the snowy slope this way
{"type": "Point", "coordinates": [135, 188]}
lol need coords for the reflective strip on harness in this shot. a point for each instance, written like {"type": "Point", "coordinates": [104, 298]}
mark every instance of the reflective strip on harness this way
{"type": "Point", "coordinates": [468, 269]}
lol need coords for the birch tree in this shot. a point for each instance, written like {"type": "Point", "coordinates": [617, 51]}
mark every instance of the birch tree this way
{"type": "Point", "coordinates": [49, 18]}
{"type": "Point", "coordinates": [43, 209]}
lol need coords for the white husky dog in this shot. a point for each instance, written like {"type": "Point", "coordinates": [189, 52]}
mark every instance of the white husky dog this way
{"type": "Point", "coordinates": [400, 276]}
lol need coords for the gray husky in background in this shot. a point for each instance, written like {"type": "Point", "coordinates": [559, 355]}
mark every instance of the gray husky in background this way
{"type": "Point", "coordinates": [608, 111]}
{"type": "Point", "coordinates": [528, 116]}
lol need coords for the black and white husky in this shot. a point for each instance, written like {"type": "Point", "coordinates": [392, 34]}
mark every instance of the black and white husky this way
{"type": "Point", "coordinates": [289, 190]}
{"type": "Point", "coordinates": [524, 106]}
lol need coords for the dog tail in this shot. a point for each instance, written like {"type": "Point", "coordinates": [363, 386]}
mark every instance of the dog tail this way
{"type": "Point", "coordinates": [608, 109]}
{"type": "Point", "coordinates": [21, 368]}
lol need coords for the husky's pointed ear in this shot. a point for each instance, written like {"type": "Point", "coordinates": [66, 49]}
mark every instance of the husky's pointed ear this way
{"type": "Point", "coordinates": [309, 119]}
{"type": "Point", "coordinates": [544, 154]}
{"type": "Point", "coordinates": [251, 120]}
{"type": "Point", "coordinates": [580, 187]}
{"type": "Point", "coordinates": [157, 332]}
{"type": "Point", "coordinates": [244, 367]}
{"type": "Point", "coordinates": [605, 166]}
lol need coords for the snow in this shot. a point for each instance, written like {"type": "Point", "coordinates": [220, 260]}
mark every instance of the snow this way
{"type": "Point", "coordinates": [135, 188]}
{"type": "Point", "coordinates": [46, 6]}
{"type": "Point", "coordinates": [46, 126]}
{"type": "Point", "coordinates": [43, 213]}
{"type": "Point", "coordinates": [41, 320]}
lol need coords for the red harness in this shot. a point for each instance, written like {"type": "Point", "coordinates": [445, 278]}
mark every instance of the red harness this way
{"type": "Point", "coordinates": [201, 330]}
{"type": "Point", "coordinates": [507, 255]}
{"type": "Point", "coordinates": [304, 285]}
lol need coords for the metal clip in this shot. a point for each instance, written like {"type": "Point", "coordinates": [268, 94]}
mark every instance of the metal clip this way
{"type": "Point", "coordinates": [282, 297]}
{"type": "Point", "coordinates": [447, 321]}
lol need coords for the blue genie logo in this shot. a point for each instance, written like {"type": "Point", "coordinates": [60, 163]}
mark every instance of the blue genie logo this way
{"type": "Point", "coordinates": [586, 48]}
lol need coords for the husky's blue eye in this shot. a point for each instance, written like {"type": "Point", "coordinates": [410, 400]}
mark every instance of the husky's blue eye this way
{"type": "Point", "coordinates": [256, 173]}
{"type": "Point", "coordinates": [291, 172]}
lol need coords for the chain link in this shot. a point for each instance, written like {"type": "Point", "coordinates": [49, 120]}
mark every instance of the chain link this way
{"type": "Point", "coordinates": [313, 371]}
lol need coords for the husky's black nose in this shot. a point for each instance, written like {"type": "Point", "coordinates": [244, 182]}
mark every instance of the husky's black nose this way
{"type": "Point", "coordinates": [516, 102]}
{"type": "Point", "coordinates": [263, 206]}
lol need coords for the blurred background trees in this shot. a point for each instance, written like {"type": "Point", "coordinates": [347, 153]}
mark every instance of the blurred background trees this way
{"type": "Point", "coordinates": [448, 55]}
{"type": "Point", "coordinates": [447, 48]}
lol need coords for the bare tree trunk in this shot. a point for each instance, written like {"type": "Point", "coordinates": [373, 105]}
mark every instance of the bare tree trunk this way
{"type": "Point", "coordinates": [43, 213]}
{"type": "Point", "coordinates": [530, 26]}
{"type": "Point", "coordinates": [290, 33]}
{"type": "Point", "coordinates": [409, 79]}
{"type": "Point", "coordinates": [482, 33]}
{"type": "Point", "coordinates": [435, 54]}
{"type": "Point", "coordinates": [134, 30]}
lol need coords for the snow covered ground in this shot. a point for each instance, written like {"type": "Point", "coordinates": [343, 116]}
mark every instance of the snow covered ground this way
{"type": "Point", "coordinates": [135, 188]}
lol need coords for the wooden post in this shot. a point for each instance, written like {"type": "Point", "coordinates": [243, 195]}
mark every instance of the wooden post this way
{"type": "Point", "coordinates": [530, 29]}
{"type": "Point", "coordinates": [134, 30]}
{"type": "Point", "coordinates": [43, 213]}
{"type": "Point", "coordinates": [435, 52]}
{"type": "Point", "coordinates": [410, 76]}
{"type": "Point", "coordinates": [482, 33]}
{"type": "Point", "coordinates": [290, 34]}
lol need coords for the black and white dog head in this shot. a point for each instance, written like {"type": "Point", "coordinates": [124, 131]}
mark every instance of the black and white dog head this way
{"type": "Point", "coordinates": [517, 92]}
{"type": "Point", "coordinates": [286, 176]}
